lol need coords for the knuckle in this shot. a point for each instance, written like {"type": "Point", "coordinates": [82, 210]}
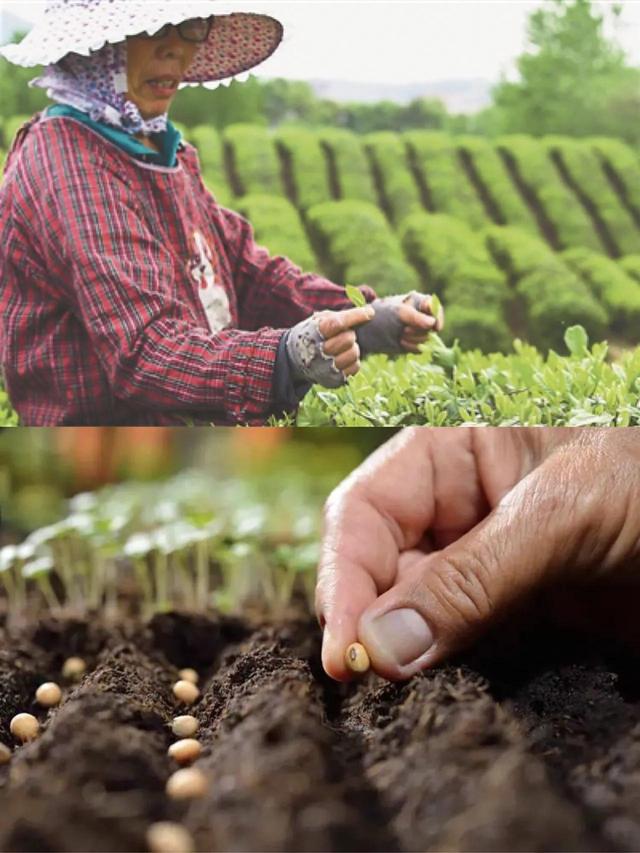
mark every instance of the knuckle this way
{"type": "Point", "coordinates": [462, 585]}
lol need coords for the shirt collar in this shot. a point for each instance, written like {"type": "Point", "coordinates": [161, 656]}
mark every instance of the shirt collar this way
{"type": "Point", "coordinates": [169, 141]}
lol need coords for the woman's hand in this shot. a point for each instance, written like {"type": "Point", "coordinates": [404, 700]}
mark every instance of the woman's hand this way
{"type": "Point", "coordinates": [400, 324]}
{"type": "Point", "coordinates": [324, 349]}
{"type": "Point", "coordinates": [442, 532]}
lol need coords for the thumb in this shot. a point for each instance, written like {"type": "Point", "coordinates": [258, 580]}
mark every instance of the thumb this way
{"type": "Point", "coordinates": [450, 597]}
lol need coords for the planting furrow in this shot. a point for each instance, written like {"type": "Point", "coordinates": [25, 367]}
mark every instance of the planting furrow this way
{"type": "Point", "coordinates": [278, 778]}
{"type": "Point", "coordinates": [588, 733]}
{"type": "Point", "coordinates": [95, 778]}
{"type": "Point", "coordinates": [452, 768]}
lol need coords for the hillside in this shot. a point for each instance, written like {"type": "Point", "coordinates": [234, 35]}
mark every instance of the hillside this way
{"type": "Point", "coordinates": [519, 237]}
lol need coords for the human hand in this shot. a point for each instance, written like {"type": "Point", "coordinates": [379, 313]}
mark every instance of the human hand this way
{"type": "Point", "coordinates": [442, 532]}
{"type": "Point", "coordinates": [401, 324]}
{"type": "Point", "coordinates": [323, 349]}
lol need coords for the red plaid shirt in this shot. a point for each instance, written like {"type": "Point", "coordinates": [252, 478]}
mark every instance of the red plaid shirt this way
{"type": "Point", "coordinates": [100, 317]}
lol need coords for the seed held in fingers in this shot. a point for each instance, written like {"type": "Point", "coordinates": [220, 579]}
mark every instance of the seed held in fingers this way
{"type": "Point", "coordinates": [189, 674]}
{"type": "Point", "coordinates": [74, 668]}
{"type": "Point", "coordinates": [24, 727]}
{"type": "Point", "coordinates": [187, 784]}
{"type": "Point", "coordinates": [356, 658]}
{"type": "Point", "coordinates": [5, 754]}
{"type": "Point", "coordinates": [184, 726]}
{"type": "Point", "coordinates": [167, 837]}
{"type": "Point", "coordinates": [185, 692]}
{"type": "Point", "coordinates": [185, 751]}
{"type": "Point", "coordinates": [48, 694]}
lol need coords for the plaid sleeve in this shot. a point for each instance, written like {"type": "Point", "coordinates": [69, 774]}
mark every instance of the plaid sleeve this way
{"type": "Point", "coordinates": [150, 346]}
{"type": "Point", "coordinates": [273, 291]}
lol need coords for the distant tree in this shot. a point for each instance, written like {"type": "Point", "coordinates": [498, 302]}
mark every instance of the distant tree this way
{"type": "Point", "coordinates": [574, 81]}
{"type": "Point", "coordinates": [16, 98]}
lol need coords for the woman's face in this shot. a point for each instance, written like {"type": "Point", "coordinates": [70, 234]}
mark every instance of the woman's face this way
{"type": "Point", "coordinates": [148, 59]}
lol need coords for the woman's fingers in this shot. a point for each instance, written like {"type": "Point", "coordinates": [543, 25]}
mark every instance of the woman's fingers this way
{"type": "Point", "coordinates": [410, 316]}
{"type": "Point", "coordinates": [331, 323]}
{"type": "Point", "coordinates": [342, 342]}
{"type": "Point", "coordinates": [348, 359]}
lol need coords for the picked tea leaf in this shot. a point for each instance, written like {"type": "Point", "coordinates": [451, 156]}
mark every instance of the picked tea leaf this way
{"type": "Point", "coordinates": [436, 305]}
{"type": "Point", "coordinates": [355, 296]}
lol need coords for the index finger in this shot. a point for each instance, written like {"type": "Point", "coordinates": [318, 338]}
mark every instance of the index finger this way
{"type": "Point", "coordinates": [334, 322]}
{"type": "Point", "coordinates": [422, 480]}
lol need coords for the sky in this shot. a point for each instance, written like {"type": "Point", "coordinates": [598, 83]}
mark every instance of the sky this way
{"type": "Point", "coordinates": [395, 41]}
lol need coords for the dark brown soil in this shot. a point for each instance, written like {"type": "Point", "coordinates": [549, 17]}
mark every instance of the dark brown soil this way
{"type": "Point", "coordinates": [532, 742]}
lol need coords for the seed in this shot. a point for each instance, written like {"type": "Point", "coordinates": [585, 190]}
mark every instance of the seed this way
{"type": "Point", "coordinates": [186, 692]}
{"type": "Point", "coordinates": [185, 751]}
{"type": "Point", "coordinates": [74, 669]}
{"type": "Point", "coordinates": [187, 784]}
{"type": "Point", "coordinates": [48, 694]}
{"type": "Point", "coordinates": [356, 658]}
{"type": "Point", "coordinates": [5, 754]}
{"type": "Point", "coordinates": [24, 727]}
{"type": "Point", "coordinates": [189, 674]}
{"type": "Point", "coordinates": [185, 726]}
{"type": "Point", "coordinates": [167, 837]}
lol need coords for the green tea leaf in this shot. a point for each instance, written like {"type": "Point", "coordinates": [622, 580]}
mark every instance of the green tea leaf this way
{"type": "Point", "coordinates": [436, 305]}
{"type": "Point", "coordinates": [355, 296]}
{"type": "Point", "coordinates": [577, 341]}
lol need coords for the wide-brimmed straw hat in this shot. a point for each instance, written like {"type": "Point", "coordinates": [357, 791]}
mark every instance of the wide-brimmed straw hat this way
{"type": "Point", "coordinates": [237, 42]}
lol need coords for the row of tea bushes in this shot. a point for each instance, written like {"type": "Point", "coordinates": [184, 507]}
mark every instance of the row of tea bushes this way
{"type": "Point", "coordinates": [453, 261]}
{"type": "Point", "coordinates": [357, 246]}
{"type": "Point", "coordinates": [445, 386]}
{"type": "Point", "coordinates": [277, 225]}
{"type": "Point", "coordinates": [581, 165]}
{"type": "Point", "coordinates": [438, 169]}
{"type": "Point", "coordinates": [631, 265]}
{"type": "Point", "coordinates": [617, 291]}
{"type": "Point", "coordinates": [349, 167]}
{"type": "Point", "coordinates": [551, 294]}
{"type": "Point", "coordinates": [567, 222]}
{"type": "Point", "coordinates": [252, 160]}
{"type": "Point", "coordinates": [501, 193]}
{"type": "Point", "coordinates": [622, 165]}
{"type": "Point", "coordinates": [398, 191]}
{"type": "Point", "coordinates": [305, 164]}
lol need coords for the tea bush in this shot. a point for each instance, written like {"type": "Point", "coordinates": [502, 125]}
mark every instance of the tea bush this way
{"type": "Point", "coordinates": [349, 164]}
{"type": "Point", "coordinates": [455, 263]}
{"type": "Point", "coordinates": [584, 168]}
{"type": "Point", "coordinates": [306, 165]}
{"type": "Point", "coordinates": [278, 227]}
{"type": "Point", "coordinates": [570, 222]}
{"type": "Point", "coordinates": [447, 387]}
{"type": "Point", "coordinates": [254, 159]}
{"type": "Point", "coordinates": [435, 159]}
{"type": "Point", "coordinates": [491, 170]}
{"type": "Point", "coordinates": [398, 189]}
{"type": "Point", "coordinates": [617, 291]}
{"type": "Point", "coordinates": [361, 247]}
{"type": "Point", "coordinates": [624, 165]}
{"type": "Point", "coordinates": [552, 295]}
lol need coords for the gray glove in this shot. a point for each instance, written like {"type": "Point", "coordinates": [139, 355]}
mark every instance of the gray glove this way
{"type": "Point", "coordinates": [306, 356]}
{"type": "Point", "coordinates": [383, 333]}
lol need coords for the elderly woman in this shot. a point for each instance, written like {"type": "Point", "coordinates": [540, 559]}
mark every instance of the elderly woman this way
{"type": "Point", "coordinates": [129, 296]}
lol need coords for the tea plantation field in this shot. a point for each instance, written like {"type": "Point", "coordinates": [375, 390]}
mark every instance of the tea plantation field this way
{"type": "Point", "coordinates": [521, 238]}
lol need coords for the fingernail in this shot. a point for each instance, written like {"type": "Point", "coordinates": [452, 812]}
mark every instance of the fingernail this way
{"type": "Point", "coordinates": [403, 634]}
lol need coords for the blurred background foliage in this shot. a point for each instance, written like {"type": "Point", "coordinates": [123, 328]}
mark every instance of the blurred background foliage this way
{"type": "Point", "coordinates": [573, 80]}
{"type": "Point", "coordinates": [41, 468]}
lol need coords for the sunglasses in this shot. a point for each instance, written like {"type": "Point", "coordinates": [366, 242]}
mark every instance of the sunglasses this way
{"type": "Point", "coordinates": [194, 30]}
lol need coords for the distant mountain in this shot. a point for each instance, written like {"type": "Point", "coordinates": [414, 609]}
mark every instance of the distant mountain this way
{"type": "Point", "coordinates": [459, 96]}
{"type": "Point", "coordinates": [10, 24]}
